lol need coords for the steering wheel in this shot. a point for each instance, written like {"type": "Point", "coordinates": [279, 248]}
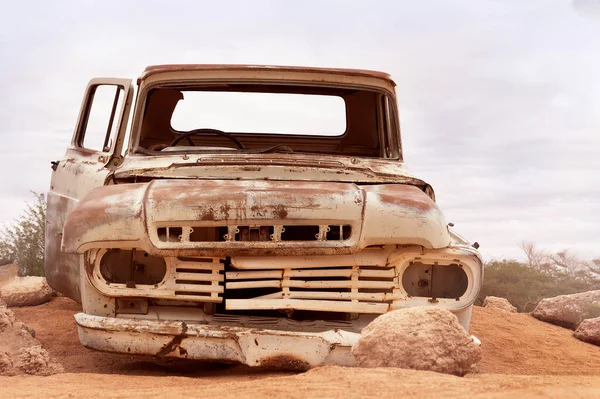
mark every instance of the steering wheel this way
{"type": "Point", "coordinates": [202, 131]}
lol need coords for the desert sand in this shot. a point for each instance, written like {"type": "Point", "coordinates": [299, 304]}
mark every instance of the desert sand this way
{"type": "Point", "coordinates": [522, 357]}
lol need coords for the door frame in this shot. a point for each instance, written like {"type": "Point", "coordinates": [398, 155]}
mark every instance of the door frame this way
{"type": "Point", "coordinates": [73, 177]}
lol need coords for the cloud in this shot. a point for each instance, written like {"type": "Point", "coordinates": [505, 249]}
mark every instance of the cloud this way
{"type": "Point", "coordinates": [498, 99]}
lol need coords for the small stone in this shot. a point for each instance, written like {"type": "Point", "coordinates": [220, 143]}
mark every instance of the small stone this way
{"type": "Point", "coordinates": [589, 331]}
{"type": "Point", "coordinates": [494, 302]}
{"type": "Point", "coordinates": [420, 338]}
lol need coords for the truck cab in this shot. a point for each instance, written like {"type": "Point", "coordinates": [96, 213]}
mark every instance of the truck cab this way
{"type": "Point", "coordinates": [240, 213]}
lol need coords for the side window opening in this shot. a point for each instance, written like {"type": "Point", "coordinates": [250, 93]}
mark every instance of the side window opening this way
{"type": "Point", "coordinates": [100, 128]}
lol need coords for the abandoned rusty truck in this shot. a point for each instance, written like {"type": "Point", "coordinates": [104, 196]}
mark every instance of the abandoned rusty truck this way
{"type": "Point", "coordinates": [252, 214]}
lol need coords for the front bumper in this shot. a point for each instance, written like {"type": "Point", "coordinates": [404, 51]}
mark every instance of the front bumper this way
{"type": "Point", "coordinates": [251, 346]}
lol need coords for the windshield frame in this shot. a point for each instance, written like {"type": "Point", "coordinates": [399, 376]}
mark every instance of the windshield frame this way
{"type": "Point", "coordinates": [391, 117]}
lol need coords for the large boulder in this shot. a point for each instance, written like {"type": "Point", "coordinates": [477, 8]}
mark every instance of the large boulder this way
{"type": "Point", "coordinates": [26, 291]}
{"type": "Point", "coordinates": [589, 331]}
{"type": "Point", "coordinates": [20, 352]}
{"type": "Point", "coordinates": [495, 302]}
{"type": "Point", "coordinates": [420, 338]}
{"type": "Point", "coordinates": [569, 310]}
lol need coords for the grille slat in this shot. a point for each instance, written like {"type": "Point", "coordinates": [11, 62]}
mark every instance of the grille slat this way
{"type": "Point", "coordinates": [198, 279]}
{"type": "Point", "coordinates": [336, 288]}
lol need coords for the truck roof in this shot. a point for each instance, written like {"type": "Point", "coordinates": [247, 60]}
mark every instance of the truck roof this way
{"type": "Point", "coordinates": [155, 69]}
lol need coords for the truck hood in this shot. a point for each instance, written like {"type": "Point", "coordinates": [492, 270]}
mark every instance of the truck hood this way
{"type": "Point", "coordinates": [266, 167]}
{"type": "Point", "coordinates": [132, 216]}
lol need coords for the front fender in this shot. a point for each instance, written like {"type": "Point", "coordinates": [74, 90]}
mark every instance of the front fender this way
{"type": "Point", "coordinates": [107, 215]}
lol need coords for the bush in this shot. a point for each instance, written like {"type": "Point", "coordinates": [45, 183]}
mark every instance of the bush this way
{"type": "Point", "coordinates": [525, 286]}
{"type": "Point", "coordinates": [23, 242]}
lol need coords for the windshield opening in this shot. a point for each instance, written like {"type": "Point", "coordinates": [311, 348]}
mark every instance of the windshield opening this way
{"type": "Point", "coordinates": [266, 118]}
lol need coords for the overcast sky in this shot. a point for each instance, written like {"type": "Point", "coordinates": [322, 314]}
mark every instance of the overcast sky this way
{"type": "Point", "coordinates": [499, 99]}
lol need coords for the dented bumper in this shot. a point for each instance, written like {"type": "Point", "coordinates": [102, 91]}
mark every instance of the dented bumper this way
{"type": "Point", "coordinates": [251, 346]}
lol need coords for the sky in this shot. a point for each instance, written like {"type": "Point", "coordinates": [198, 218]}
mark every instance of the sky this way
{"type": "Point", "coordinates": [499, 99]}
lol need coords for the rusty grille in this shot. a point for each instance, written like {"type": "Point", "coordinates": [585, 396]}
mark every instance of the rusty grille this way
{"type": "Point", "coordinates": [193, 279]}
{"type": "Point", "coordinates": [191, 234]}
{"type": "Point", "coordinates": [197, 279]}
{"type": "Point", "coordinates": [360, 289]}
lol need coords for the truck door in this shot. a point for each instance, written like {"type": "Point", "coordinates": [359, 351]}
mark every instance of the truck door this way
{"type": "Point", "coordinates": [94, 152]}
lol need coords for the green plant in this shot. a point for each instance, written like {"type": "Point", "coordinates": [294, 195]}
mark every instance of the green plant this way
{"type": "Point", "coordinates": [525, 286]}
{"type": "Point", "coordinates": [23, 241]}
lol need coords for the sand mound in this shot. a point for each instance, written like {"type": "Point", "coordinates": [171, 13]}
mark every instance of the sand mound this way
{"type": "Point", "coordinates": [517, 343]}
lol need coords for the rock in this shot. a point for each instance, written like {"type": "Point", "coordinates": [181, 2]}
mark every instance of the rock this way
{"type": "Point", "coordinates": [420, 338]}
{"type": "Point", "coordinates": [6, 364]}
{"type": "Point", "coordinates": [589, 331]}
{"type": "Point", "coordinates": [569, 310]}
{"type": "Point", "coordinates": [36, 360]}
{"type": "Point", "coordinates": [20, 352]}
{"type": "Point", "coordinates": [26, 291]}
{"type": "Point", "coordinates": [495, 302]}
{"type": "Point", "coordinates": [7, 318]}
{"type": "Point", "coordinates": [26, 331]}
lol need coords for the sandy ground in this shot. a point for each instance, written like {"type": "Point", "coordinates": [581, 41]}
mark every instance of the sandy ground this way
{"type": "Point", "coordinates": [523, 358]}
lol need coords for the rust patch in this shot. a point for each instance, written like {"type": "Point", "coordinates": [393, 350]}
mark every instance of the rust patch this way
{"type": "Point", "coordinates": [285, 362]}
{"type": "Point", "coordinates": [174, 343]}
{"type": "Point", "coordinates": [225, 210]}
{"type": "Point", "coordinates": [170, 346]}
{"type": "Point", "coordinates": [208, 214]}
{"type": "Point", "coordinates": [251, 168]}
{"type": "Point", "coordinates": [280, 212]}
{"type": "Point", "coordinates": [102, 207]}
{"type": "Point", "coordinates": [406, 196]}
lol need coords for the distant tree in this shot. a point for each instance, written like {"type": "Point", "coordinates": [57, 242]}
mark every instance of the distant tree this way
{"type": "Point", "coordinates": [518, 282]}
{"type": "Point", "coordinates": [566, 263]}
{"type": "Point", "coordinates": [525, 286]}
{"type": "Point", "coordinates": [561, 265]}
{"type": "Point", "coordinates": [536, 258]}
{"type": "Point", "coordinates": [23, 241]}
{"type": "Point", "coordinates": [594, 267]}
